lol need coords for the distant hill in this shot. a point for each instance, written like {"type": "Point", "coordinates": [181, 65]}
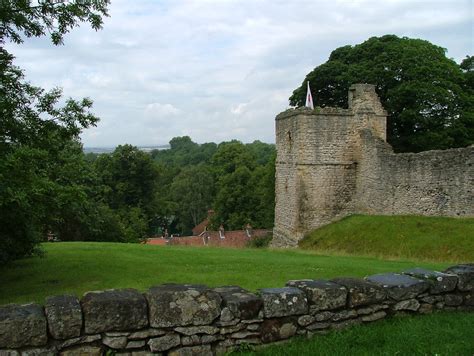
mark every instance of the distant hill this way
{"type": "Point", "coordinates": [111, 149]}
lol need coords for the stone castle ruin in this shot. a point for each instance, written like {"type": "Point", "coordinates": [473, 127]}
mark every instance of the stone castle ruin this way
{"type": "Point", "coordinates": [334, 162]}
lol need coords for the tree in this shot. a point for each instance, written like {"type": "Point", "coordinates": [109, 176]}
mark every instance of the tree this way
{"type": "Point", "coordinates": [193, 192]}
{"type": "Point", "coordinates": [423, 91]}
{"type": "Point", "coordinates": [235, 204]}
{"type": "Point", "coordinates": [263, 152]}
{"type": "Point", "coordinates": [39, 140]}
{"type": "Point", "coordinates": [129, 176]}
{"type": "Point", "coordinates": [184, 152]}
{"type": "Point", "coordinates": [229, 156]}
{"type": "Point", "coordinates": [263, 181]}
{"type": "Point", "coordinates": [20, 17]}
{"type": "Point", "coordinates": [245, 184]}
{"type": "Point", "coordinates": [129, 180]}
{"type": "Point", "coordinates": [467, 66]}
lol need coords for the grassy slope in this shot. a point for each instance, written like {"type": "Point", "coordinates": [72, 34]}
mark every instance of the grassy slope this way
{"type": "Point", "coordinates": [76, 267]}
{"type": "Point", "coordinates": [442, 334]}
{"type": "Point", "coordinates": [410, 237]}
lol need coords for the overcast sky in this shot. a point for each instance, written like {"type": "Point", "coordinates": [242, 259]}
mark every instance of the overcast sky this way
{"type": "Point", "coordinates": [222, 69]}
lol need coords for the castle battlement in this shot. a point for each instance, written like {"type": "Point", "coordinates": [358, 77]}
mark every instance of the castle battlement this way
{"type": "Point", "coordinates": [334, 162]}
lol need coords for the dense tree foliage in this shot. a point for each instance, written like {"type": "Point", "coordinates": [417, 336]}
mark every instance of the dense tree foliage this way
{"type": "Point", "coordinates": [429, 98]}
{"type": "Point", "coordinates": [56, 18]}
{"type": "Point", "coordinates": [128, 177]}
{"type": "Point", "coordinates": [44, 181]}
{"type": "Point", "coordinates": [235, 180]}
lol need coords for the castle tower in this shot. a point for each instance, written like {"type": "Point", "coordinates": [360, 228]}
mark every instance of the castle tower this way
{"type": "Point", "coordinates": [316, 165]}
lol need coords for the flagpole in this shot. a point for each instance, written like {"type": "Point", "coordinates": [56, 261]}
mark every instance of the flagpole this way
{"type": "Point", "coordinates": [309, 98]}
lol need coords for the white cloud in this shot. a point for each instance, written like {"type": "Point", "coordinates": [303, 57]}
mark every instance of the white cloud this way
{"type": "Point", "coordinates": [157, 110]}
{"type": "Point", "coordinates": [217, 70]}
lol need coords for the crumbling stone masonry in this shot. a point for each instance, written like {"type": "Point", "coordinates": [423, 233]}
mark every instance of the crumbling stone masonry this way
{"type": "Point", "coordinates": [197, 320]}
{"type": "Point", "coordinates": [334, 162]}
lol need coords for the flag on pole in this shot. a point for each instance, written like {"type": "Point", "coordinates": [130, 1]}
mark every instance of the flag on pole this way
{"type": "Point", "coordinates": [309, 98]}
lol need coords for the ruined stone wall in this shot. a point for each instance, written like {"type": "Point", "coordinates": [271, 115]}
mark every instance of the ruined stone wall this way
{"type": "Point", "coordinates": [197, 320]}
{"type": "Point", "coordinates": [431, 183]}
{"type": "Point", "coordinates": [327, 169]}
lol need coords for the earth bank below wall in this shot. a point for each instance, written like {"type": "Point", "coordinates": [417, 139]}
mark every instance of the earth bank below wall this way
{"type": "Point", "coordinates": [197, 320]}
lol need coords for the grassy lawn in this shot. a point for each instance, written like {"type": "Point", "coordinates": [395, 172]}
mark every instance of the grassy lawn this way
{"type": "Point", "coordinates": [77, 267]}
{"type": "Point", "coordinates": [442, 334]}
{"type": "Point", "coordinates": [409, 237]}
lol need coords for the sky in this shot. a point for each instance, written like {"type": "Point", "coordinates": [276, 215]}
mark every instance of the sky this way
{"type": "Point", "coordinates": [217, 70]}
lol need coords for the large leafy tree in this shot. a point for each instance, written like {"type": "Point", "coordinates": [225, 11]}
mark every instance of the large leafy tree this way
{"type": "Point", "coordinates": [129, 180]}
{"type": "Point", "coordinates": [192, 191]}
{"type": "Point", "coordinates": [56, 18]}
{"type": "Point", "coordinates": [427, 95]}
{"type": "Point", "coordinates": [129, 176]}
{"type": "Point", "coordinates": [244, 176]}
{"type": "Point", "coordinates": [41, 175]}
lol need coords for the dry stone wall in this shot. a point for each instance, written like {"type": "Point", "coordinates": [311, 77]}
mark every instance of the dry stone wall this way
{"type": "Point", "coordinates": [197, 320]}
{"type": "Point", "coordinates": [334, 162]}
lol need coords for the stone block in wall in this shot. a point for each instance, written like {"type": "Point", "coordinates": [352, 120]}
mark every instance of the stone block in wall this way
{"type": "Point", "coordinates": [318, 326]}
{"type": "Point", "coordinates": [344, 315]}
{"type": "Point", "coordinates": [244, 334]}
{"type": "Point", "coordinates": [143, 334]}
{"type": "Point", "coordinates": [115, 342]}
{"type": "Point", "coordinates": [374, 316]}
{"type": "Point", "coordinates": [321, 294]}
{"type": "Point", "coordinates": [136, 353]}
{"type": "Point", "coordinates": [425, 308]}
{"type": "Point", "coordinates": [407, 305]}
{"type": "Point", "coordinates": [135, 344]}
{"type": "Point", "coordinates": [83, 350]}
{"type": "Point", "coordinates": [85, 339]}
{"type": "Point", "coordinates": [305, 320]}
{"type": "Point", "coordinates": [453, 300]}
{"type": "Point", "coordinates": [241, 303]}
{"type": "Point", "coordinates": [283, 302]}
{"type": "Point", "coordinates": [193, 330]}
{"type": "Point", "coordinates": [64, 316]}
{"type": "Point", "coordinates": [465, 273]}
{"type": "Point", "coordinates": [164, 343]}
{"type": "Point", "coordinates": [469, 299]}
{"type": "Point", "coordinates": [278, 329]}
{"type": "Point", "coordinates": [431, 299]}
{"type": "Point", "coordinates": [323, 316]}
{"type": "Point", "coordinates": [190, 340]}
{"type": "Point", "coordinates": [399, 286]}
{"type": "Point", "coordinates": [39, 351]}
{"type": "Point", "coordinates": [202, 350]}
{"type": "Point", "coordinates": [371, 309]}
{"type": "Point", "coordinates": [172, 305]}
{"type": "Point", "coordinates": [361, 292]}
{"type": "Point", "coordinates": [22, 325]}
{"type": "Point", "coordinates": [114, 310]}
{"type": "Point", "coordinates": [346, 324]}
{"type": "Point", "coordinates": [9, 353]}
{"type": "Point", "coordinates": [439, 282]}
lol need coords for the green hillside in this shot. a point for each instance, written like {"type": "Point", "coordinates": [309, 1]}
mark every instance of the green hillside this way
{"type": "Point", "coordinates": [410, 237]}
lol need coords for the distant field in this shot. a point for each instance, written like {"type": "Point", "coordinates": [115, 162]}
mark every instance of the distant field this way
{"type": "Point", "coordinates": [409, 237]}
{"type": "Point", "coordinates": [76, 267]}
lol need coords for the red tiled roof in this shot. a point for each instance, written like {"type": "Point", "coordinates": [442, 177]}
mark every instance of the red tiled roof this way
{"type": "Point", "coordinates": [157, 241]}
{"type": "Point", "coordinates": [238, 239]}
